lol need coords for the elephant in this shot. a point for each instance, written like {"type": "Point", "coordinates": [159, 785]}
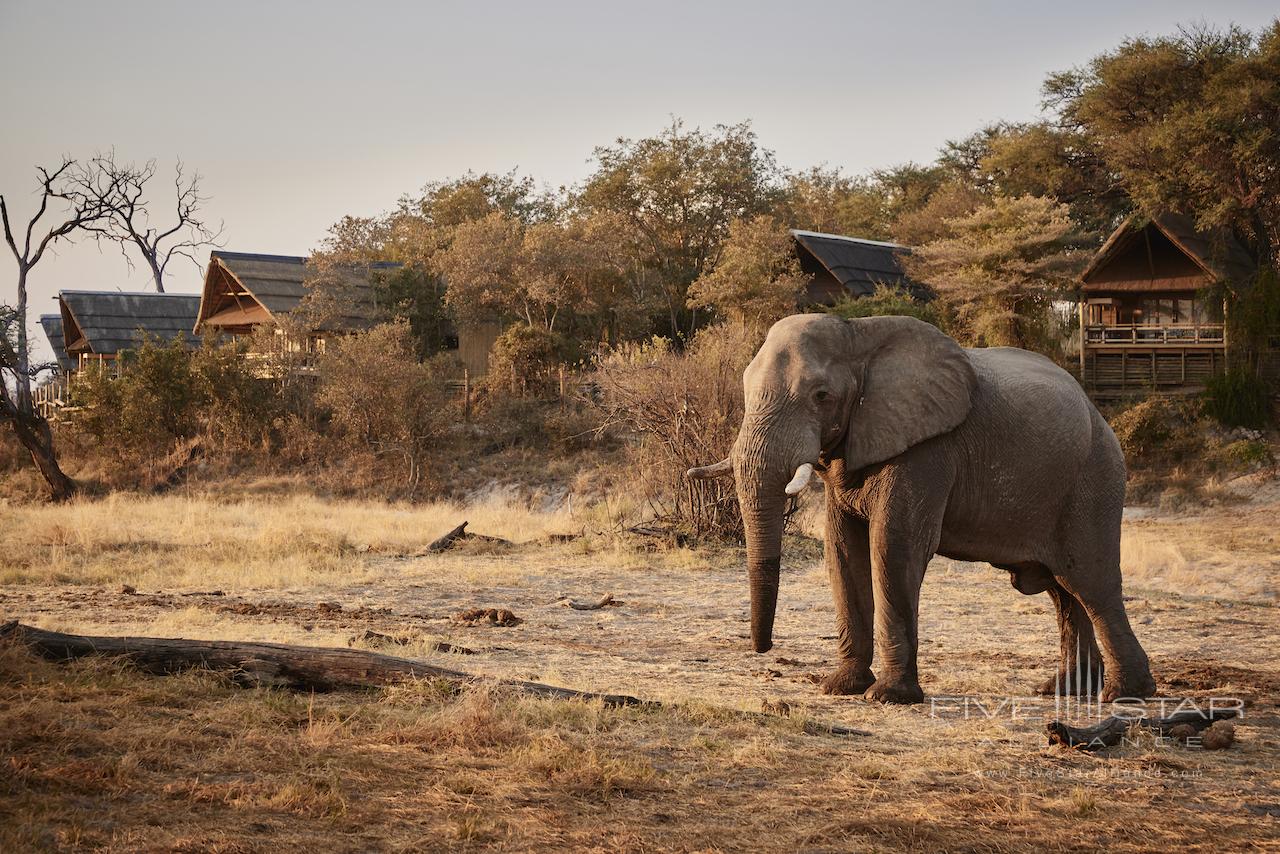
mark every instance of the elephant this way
{"type": "Point", "coordinates": [925, 447]}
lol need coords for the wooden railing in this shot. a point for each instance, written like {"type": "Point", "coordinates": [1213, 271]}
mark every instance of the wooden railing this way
{"type": "Point", "coordinates": [50, 398]}
{"type": "Point", "coordinates": [1141, 334]}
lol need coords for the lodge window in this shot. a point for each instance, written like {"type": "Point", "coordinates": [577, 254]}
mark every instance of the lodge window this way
{"type": "Point", "coordinates": [1147, 311]}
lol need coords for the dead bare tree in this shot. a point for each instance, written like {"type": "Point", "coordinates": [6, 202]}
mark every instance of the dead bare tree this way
{"type": "Point", "coordinates": [81, 211]}
{"type": "Point", "coordinates": [123, 188]}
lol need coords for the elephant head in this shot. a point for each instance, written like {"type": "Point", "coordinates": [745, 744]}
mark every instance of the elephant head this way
{"type": "Point", "coordinates": [822, 388]}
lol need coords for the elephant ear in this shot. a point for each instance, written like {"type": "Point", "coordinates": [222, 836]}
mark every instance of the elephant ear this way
{"type": "Point", "coordinates": [916, 384]}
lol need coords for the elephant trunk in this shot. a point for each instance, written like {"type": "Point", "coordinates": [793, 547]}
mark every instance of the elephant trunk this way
{"type": "Point", "coordinates": [763, 520]}
{"type": "Point", "coordinates": [772, 459]}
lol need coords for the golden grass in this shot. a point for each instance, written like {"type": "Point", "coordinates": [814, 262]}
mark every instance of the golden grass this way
{"type": "Point", "coordinates": [98, 756]}
{"type": "Point", "coordinates": [269, 541]}
{"type": "Point", "coordinates": [1230, 551]}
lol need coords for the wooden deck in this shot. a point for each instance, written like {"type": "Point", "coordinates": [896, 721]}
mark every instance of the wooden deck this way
{"type": "Point", "coordinates": [1129, 358]}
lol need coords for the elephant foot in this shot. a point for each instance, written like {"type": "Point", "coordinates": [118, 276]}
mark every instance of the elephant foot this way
{"type": "Point", "coordinates": [904, 693]}
{"type": "Point", "coordinates": [1137, 686]}
{"type": "Point", "coordinates": [848, 679]}
{"type": "Point", "coordinates": [1072, 683]}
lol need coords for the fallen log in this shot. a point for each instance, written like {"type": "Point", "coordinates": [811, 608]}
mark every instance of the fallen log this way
{"type": "Point", "coordinates": [1109, 732]}
{"type": "Point", "coordinates": [591, 606]}
{"type": "Point", "coordinates": [303, 668]}
{"type": "Point", "coordinates": [451, 539]}
{"type": "Point", "coordinates": [446, 542]}
{"type": "Point", "coordinates": [300, 668]}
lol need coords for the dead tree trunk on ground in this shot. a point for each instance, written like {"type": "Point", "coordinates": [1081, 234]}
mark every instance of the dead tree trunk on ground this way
{"type": "Point", "coordinates": [300, 667]}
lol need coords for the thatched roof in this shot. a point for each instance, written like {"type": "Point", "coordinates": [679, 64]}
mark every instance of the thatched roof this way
{"type": "Point", "coordinates": [243, 290]}
{"type": "Point", "coordinates": [52, 325]}
{"type": "Point", "coordinates": [1167, 253]}
{"type": "Point", "coordinates": [106, 322]}
{"type": "Point", "coordinates": [859, 265]}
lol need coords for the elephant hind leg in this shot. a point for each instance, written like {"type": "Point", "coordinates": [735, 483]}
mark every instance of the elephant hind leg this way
{"type": "Point", "coordinates": [1090, 573]}
{"type": "Point", "coordinates": [1080, 670]}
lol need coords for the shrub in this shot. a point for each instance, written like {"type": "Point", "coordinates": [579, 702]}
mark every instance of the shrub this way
{"type": "Point", "coordinates": [526, 358]}
{"type": "Point", "coordinates": [1238, 397]}
{"type": "Point", "coordinates": [160, 393]}
{"type": "Point", "coordinates": [1164, 426]}
{"type": "Point", "coordinates": [888, 301]}
{"type": "Point", "coordinates": [685, 409]}
{"type": "Point", "coordinates": [1243, 455]}
{"type": "Point", "coordinates": [382, 401]}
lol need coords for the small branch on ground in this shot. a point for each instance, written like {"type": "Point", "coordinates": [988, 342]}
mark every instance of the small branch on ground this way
{"type": "Point", "coordinates": [370, 636]}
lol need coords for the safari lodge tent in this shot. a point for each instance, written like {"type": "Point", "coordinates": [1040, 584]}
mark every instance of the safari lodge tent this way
{"type": "Point", "coordinates": [838, 266]}
{"type": "Point", "coordinates": [1147, 319]}
{"type": "Point", "coordinates": [244, 292]}
{"type": "Point", "coordinates": [98, 325]}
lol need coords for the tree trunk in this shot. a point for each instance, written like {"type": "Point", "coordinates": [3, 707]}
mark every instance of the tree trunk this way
{"type": "Point", "coordinates": [35, 435]}
{"type": "Point", "coordinates": [270, 664]}
{"type": "Point", "coordinates": [22, 378]}
{"type": "Point", "coordinates": [31, 429]}
{"type": "Point", "coordinates": [156, 273]}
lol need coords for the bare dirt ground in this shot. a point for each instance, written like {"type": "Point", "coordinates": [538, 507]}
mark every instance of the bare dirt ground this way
{"type": "Point", "coordinates": [968, 770]}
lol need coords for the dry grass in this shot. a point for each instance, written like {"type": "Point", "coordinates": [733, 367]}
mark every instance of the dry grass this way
{"type": "Point", "coordinates": [1230, 551]}
{"type": "Point", "coordinates": [97, 756]}
{"type": "Point", "coordinates": [100, 757]}
{"type": "Point", "coordinates": [268, 541]}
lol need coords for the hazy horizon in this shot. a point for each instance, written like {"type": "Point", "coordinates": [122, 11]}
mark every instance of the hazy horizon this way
{"type": "Point", "coordinates": [297, 114]}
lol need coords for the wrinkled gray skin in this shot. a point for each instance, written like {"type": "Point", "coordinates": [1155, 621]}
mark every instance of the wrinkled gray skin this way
{"type": "Point", "coordinates": [926, 448]}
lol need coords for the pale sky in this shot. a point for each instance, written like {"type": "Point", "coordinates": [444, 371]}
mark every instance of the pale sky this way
{"type": "Point", "coordinates": [298, 113]}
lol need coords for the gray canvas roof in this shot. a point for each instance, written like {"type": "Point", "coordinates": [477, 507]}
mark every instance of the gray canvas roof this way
{"type": "Point", "coordinates": [278, 282]}
{"type": "Point", "coordinates": [860, 265]}
{"type": "Point", "coordinates": [111, 321]}
{"type": "Point", "coordinates": [52, 324]}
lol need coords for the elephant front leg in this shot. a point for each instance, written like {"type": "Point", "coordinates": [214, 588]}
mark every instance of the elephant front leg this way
{"type": "Point", "coordinates": [847, 553]}
{"type": "Point", "coordinates": [898, 560]}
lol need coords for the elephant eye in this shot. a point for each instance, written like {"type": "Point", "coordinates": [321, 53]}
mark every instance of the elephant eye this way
{"type": "Point", "coordinates": [821, 396]}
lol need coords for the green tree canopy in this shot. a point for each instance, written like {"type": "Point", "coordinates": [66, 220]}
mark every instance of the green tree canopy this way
{"type": "Point", "coordinates": [757, 279]}
{"type": "Point", "coordinates": [1001, 268]}
{"type": "Point", "coordinates": [1189, 123]}
{"type": "Point", "coordinates": [678, 192]}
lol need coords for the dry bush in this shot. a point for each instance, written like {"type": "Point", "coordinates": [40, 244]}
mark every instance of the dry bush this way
{"type": "Point", "coordinates": [384, 403]}
{"type": "Point", "coordinates": [140, 425]}
{"type": "Point", "coordinates": [1159, 427]}
{"type": "Point", "coordinates": [684, 410]}
{"type": "Point", "coordinates": [1173, 449]}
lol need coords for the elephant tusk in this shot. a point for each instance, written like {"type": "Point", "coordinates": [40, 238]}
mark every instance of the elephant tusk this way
{"type": "Point", "coordinates": [724, 468]}
{"type": "Point", "coordinates": [801, 480]}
